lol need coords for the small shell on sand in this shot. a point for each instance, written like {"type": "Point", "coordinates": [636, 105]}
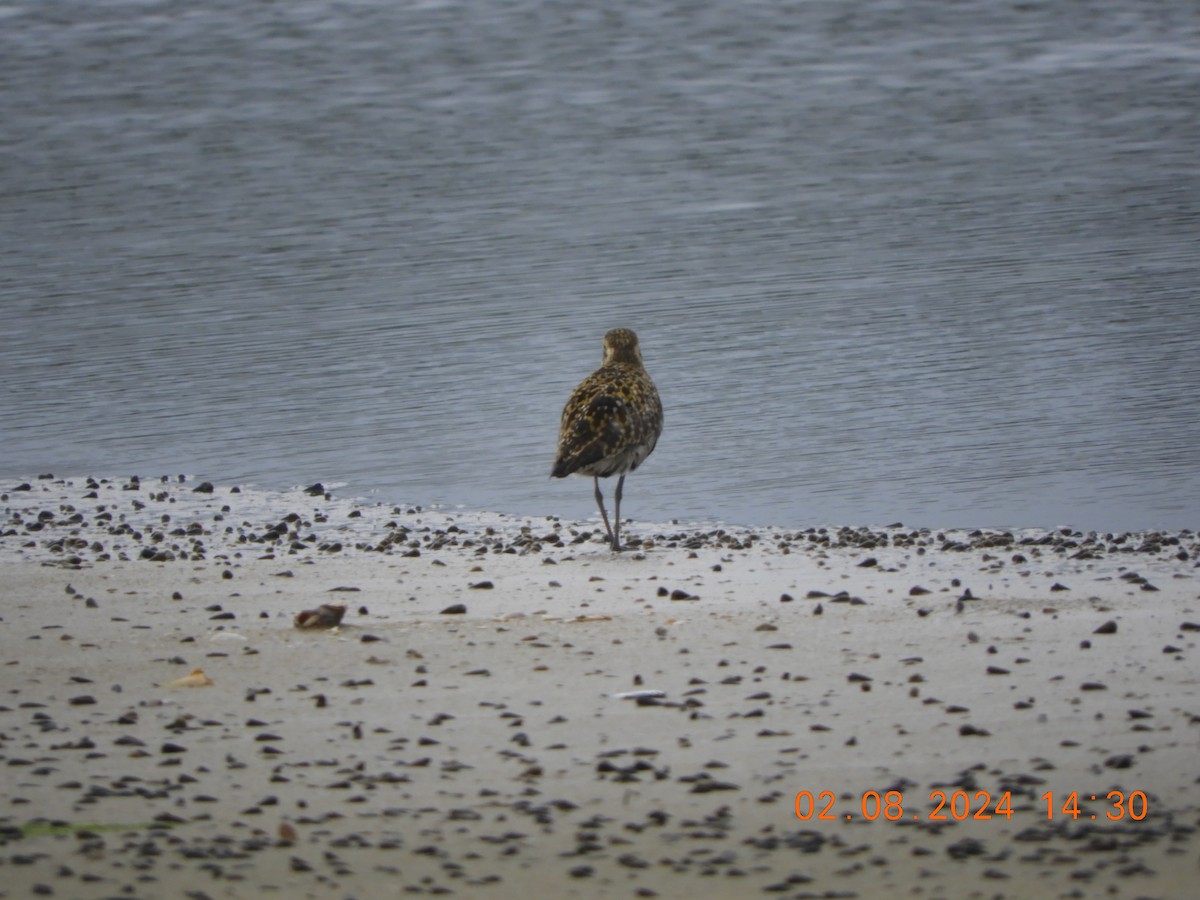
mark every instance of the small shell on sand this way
{"type": "Point", "coordinates": [196, 679]}
{"type": "Point", "coordinates": [327, 615]}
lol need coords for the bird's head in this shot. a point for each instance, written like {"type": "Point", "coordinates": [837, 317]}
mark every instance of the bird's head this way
{"type": "Point", "coordinates": [621, 346]}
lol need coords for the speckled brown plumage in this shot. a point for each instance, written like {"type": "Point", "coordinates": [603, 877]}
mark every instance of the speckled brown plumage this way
{"type": "Point", "coordinates": [611, 422]}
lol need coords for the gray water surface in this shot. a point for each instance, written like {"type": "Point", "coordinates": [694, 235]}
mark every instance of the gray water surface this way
{"type": "Point", "coordinates": [920, 262]}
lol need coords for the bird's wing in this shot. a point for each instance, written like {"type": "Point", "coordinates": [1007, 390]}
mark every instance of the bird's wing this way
{"type": "Point", "coordinates": [591, 431]}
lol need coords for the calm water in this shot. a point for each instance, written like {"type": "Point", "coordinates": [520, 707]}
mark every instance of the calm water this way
{"type": "Point", "coordinates": [889, 261]}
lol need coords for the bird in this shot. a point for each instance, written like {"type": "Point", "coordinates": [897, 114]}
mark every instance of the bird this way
{"type": "Point", "coordinates": [610, 423]}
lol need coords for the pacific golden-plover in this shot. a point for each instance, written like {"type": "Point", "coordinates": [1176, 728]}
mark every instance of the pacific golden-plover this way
{"type": "Point", "coordinates": [611, 422]}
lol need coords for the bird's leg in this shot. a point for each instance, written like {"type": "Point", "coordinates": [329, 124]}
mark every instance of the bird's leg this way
{"type": "Point", "coordinates": [603, 511]}
{"type": "Point", "coordinates": [616, 541]}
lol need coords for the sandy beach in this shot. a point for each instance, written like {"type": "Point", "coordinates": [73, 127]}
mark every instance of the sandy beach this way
{"type": "Point", "coordinates": [508, 709]}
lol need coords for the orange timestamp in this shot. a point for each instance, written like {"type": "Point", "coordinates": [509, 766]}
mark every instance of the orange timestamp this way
{"type": "Point", "coordinates": [960, 805]}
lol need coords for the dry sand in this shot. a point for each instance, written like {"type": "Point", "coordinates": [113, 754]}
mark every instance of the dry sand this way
{"type": "Point", "coordinates": [490, 752]}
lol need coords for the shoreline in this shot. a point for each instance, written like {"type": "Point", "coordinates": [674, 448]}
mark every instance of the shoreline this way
{"type": "Point", "coordinates": [507, 706]}
{"type": "Point", "coordinates": [352, 523]}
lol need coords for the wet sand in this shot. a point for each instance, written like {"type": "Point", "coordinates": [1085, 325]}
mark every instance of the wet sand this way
{"type": "Point", "coordinates": [509, 708]}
